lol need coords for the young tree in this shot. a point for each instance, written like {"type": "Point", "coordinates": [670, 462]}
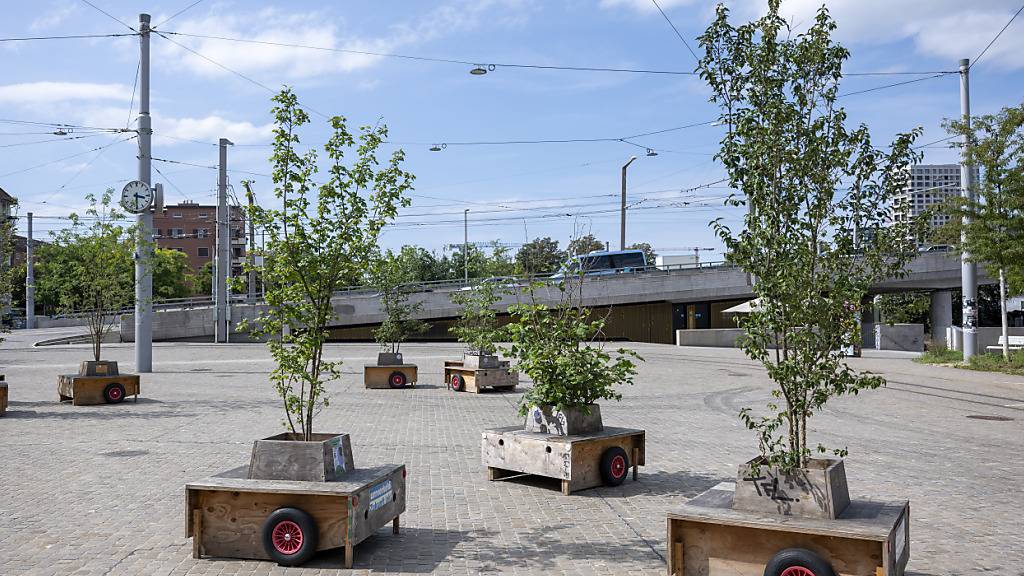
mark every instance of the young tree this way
{"type": "Point", "coordinates": [477, 327]}
{"type": "Point", "coordinates": [539, 256]}
{"type": "Point", "coordinates": [322, 238]}
{"type": "Point", "coordinates": [172, 275]}
{"type": "Point", "coordinates": [8, 292]}
{"type": "Point", "coordinates": [994, 236]}
{"type": "Point", "coordinates": [584, 245]}
{"type": "Point", "coordinates": [560, 348]}
{"type": "Point", "coordinates": [808, 183]}
{"type": "Point", "coordinates": [88, 267]}
{"type": "Point", "coordinates": [393, 286]}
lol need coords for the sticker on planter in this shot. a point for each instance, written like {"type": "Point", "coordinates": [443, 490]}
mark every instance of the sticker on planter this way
{"type": "Point", "coordinates": [339, 458]}
{"type": "Point", "coordinates": [380, 495]}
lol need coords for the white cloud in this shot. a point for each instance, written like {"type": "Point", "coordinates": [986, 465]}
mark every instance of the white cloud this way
{"type": "Point", "coordinates": [315, 29]}
{"type": "Point", "coordinates": [55, 16]}
{"type": "Point", "coordinates": [211, 128]}
{"type": "Point", "coordinates": [30, 93]}
{"type": "Point", "coordinates": [644, 5]}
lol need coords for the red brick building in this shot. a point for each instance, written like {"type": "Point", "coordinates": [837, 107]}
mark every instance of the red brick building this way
{"type": "Point", "coordinates": [192, 228]}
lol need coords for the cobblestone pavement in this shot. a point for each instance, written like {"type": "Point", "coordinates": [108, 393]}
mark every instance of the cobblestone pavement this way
{"type": "Point", "coordinates": [99, 489]}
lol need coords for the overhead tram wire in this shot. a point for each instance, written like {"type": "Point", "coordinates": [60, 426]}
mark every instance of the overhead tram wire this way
{"type": "Point", "coordinates": [676, 30]}
{"type": "Point", "coordinates": [67, 37]}
{"type": "Point", "coordinates": [178, 13]}
{"type": "Point", "coordinates": [99, 152]}
{"type": "Point", "coordinates": [98, 148]}
{"type": "Point", "coordinates": [1012, 18]}
{"type": "Point", "coordinates": [885, 86]}
{"type": "Point", "coordinates": [109, 15]}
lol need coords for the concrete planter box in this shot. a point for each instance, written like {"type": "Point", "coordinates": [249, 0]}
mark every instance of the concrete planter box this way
{"type": "Point", "coordinates": [571, 420]}
{"type": "Point", "coordinates": [97, 368]}
{"type": "Point", "coordinates": [480, 361]}
{"type": "Point", "coordinates": [326, 458]}
{"type": "Point", "coordinates": [818, 491]}
{"type": "Point", "coordinates": [389, 359]}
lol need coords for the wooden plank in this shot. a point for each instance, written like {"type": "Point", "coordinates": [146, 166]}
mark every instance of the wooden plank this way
{"type": "Point", "coordinates": [376, 505]}
{"type": "Point", "coordinates": [586, 457]}
{"type": "Point", "coordinates": [744, 551]}
{"type": "Point", "coordinates": [232, 522]}
{"type": "Point", "coordinates": [235, 480]}
{"type": "Point", "coordinates": [376, 377]}
{"type": "Point", "coordinates": [197, 532]}
{"type": "Point", "coordinates": [862, 519]}
{"type": "Point", "coordinates": [3, 397]}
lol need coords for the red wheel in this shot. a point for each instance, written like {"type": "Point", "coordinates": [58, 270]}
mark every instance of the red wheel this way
{"type": "Point", "coordinates": [113, 393]}
{"type": "Point", "coordinates": [289, 536]}
{"type": "Point", "coordinates": [458, 382]}
{"type": "Point", "coordinates": [397, 379]}
{"type": "Point", "coordinates": [614, 466]}
{"type": "Point", "coordinates": [798, 562]}
{"type": "Point", "coordinates": [286, 537]}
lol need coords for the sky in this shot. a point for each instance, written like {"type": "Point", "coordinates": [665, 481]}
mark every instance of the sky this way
{"type": "Point", "coordinates": [514, 192]}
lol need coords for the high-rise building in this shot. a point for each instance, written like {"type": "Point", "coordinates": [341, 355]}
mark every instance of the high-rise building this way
{"type": "Point", "coordinates": [930, 185]}
{"type": "Point", "coordinates": [192, 228]}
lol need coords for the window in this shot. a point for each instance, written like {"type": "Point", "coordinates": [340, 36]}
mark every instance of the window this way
{"type": "Point", "coordinates": [236, 251]}
{"type": "Point", "coordinates": [177, 232]}
{"type": "Point", "coordinates": [203, 233]}
{"type": "Point", "coordinates": [195, 232]}
{"type": "Point", "coordinates": [176, 215]}
{"type": "Point", "coordinates": [204, 214]}
{"type": "Point", "coordinates": [157, 232]}
{"type": "Point", "coordinates": [204, 252]}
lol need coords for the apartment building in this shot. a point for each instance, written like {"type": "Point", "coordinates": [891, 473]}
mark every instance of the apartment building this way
{"type": "Point", "coordinates": [191, 228]}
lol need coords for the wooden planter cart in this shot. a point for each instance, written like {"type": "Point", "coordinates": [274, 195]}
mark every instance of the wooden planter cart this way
{"type": "Point", "coordinates": [289, 521]}
{"type": "Point", "coordinates": [708, 537]}
{"type": "Point", "coordinates": [389, 372]}
{"type": "Point", "coordinates": [97, 383]}
{"type": "Point", "coordinates": [3, 394]}
{"type": "Point", "coordinates": [474, 373]}
{"type": "Point", "coordinates": [576, 450]}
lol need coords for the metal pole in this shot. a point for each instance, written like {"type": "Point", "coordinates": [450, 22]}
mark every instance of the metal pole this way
{"type": "Point", "coordinates": [622, 216]}
{"type": "Point", "coordinates": [223, 259]}
{"type": "Point", "coordinates": [968, 270]}
{"type": "Point", "coordinates": [465, 243]}
{"type": "Point", "coordinates": [30, 279]}
{"type": "Point", "coordinates": [144, 251]}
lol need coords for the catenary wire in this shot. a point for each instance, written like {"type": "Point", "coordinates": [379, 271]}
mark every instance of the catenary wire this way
{"type": "Point", "coordinates": [65, 157]}
{"type": "Point", "coordinates": [109, 15]}
{"type": "Point", "coordinates": [676, 30]}
{"type": "Point", "coordinates": [1012, 18]}
{"type": "Point", "coordinates": [179, 13]}
{"type": "Point", "coordinates": [68, 37]}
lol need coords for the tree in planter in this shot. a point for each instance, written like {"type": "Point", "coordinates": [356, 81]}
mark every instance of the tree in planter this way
{"type": "Point", "coordinates": [89, 267]}
{"type": "Point", "coordinates": [477, 326]}
{"type": "Point", "coordinates": [392, 283]}
{"type": "Point", "coordinates": [813, 188]}
{"type": "Point", "coordinates": [559, 347]}
{"type": "Point", "coordinates": [994, 236]}
{"type": "Point", "coordinates": [321, 239]}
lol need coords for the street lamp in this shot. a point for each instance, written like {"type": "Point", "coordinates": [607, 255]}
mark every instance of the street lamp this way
{"type": "Point", "coordinates": [622, 225]}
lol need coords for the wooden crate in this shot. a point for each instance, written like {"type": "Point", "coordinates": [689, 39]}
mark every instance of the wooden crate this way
{"type": "Point", "coordinates": [88, 390]}
{"type": "Point", "coordinates": [375, 376]}
{"type": "Point", "coordinates": [575, 459]}
{"type": "Point", "coordinates": [707, 537]}
{"type": "Point", "coordinates": [478, 379]}
{"type": "Point", "coordinates": [224, 514]}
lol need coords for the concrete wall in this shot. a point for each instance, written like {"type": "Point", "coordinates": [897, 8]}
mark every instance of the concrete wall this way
{"type": "Point", "coordinates": [48, 322]}
{"type": "Point", "coordinates": [905, 337]}
{"type": "Point", "coordinates": [715, 337]}
{"type": "Point", "coordinates": [987, 336]}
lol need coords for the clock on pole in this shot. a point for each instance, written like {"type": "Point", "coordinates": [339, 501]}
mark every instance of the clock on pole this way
{"type": "Point", "coordinates": [136, 197]}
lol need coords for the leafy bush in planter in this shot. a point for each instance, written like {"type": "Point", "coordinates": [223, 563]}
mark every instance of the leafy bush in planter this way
{"type": "Point", "coordinates": [818, 231]}
{"type": "Point", "coordinates": [559, 348]}
{"type": "Point", "coordinates": [477, 326]}
{"type": "Point", "coordinates": [321, 239]}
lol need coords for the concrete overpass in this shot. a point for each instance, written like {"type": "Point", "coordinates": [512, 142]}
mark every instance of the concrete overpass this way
{"type": "Point", "coordinates": [647, 295]}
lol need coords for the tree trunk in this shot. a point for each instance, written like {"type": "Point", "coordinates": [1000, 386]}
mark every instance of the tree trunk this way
{"type": "Point", "coordinates": [1002, 315]}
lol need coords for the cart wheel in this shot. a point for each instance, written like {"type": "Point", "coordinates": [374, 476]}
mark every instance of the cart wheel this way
{"type": "Point", "coordinates": [458, 382]}
{"type": "Point", "coordinates": [397, 379]}
{"type": "Point", "coordinates": [113, 393]}
{"type": "Point", "coordinates": [289, 536]}
{"type": "Point", "coordinates": [614, 466]}
{"type": "Point", "coordinates": [798, 562]}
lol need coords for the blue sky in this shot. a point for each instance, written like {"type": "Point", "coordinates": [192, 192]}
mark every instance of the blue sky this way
{"type": "Point", "coordinates": [513, 191]}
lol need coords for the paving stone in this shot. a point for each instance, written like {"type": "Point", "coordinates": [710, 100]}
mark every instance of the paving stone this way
{"type": "Point", "coordinates": [100, 489]}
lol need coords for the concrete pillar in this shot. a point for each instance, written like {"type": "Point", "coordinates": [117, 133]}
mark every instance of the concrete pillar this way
{"type": "Point", "coordinates": [941, 315]}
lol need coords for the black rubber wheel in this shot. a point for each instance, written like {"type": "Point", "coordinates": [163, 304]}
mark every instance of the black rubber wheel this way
{"type": "Point", "coordinates": [614, 466]}
{"type": "Point", "coordinates": [114, 393]}
{"type": "Point", "coordinates": [798, 562]}
{"type": "Point", "coordinates": [397, 379]}
{"type": "Point", "coordinates": [289, 536]}
{"type": "Point", "coordinates": [458, 382]}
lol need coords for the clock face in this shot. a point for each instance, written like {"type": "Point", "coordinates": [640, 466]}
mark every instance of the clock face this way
{"type": "Point", "coordinates": [136, 196]}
